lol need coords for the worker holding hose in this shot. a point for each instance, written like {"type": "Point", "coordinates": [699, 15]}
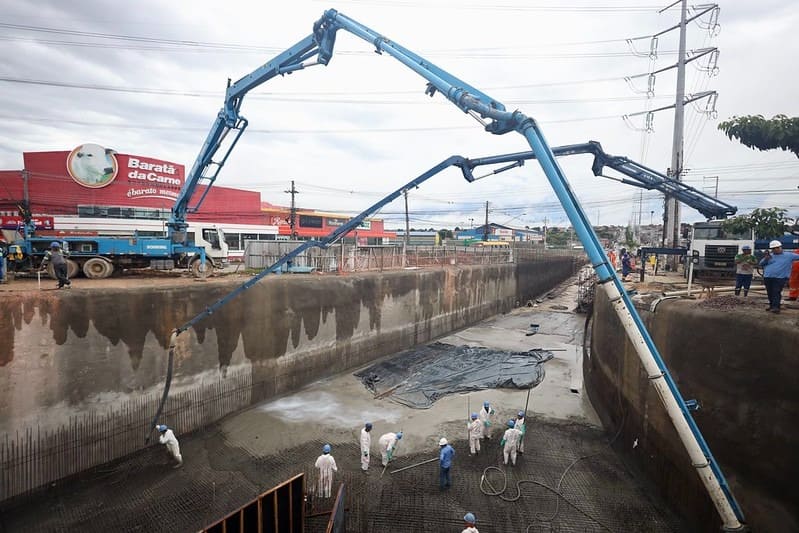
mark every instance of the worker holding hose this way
{"type": "Point", "coordinates": [168, 439]}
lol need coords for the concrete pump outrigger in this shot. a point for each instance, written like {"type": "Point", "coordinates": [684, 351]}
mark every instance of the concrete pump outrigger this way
{"type": "Point", "coordinates": [317, 49]}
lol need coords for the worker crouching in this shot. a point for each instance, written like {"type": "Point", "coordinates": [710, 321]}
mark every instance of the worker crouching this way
{"type": "Point", "coordinates": [169, 440]}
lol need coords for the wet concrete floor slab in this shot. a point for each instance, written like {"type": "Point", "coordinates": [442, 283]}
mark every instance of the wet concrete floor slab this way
{"type": "Point", "coordinates": [232, 461]}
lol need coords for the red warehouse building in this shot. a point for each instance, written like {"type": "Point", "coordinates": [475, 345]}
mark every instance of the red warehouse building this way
{"type": "Point", "coordinates": [93, 189]}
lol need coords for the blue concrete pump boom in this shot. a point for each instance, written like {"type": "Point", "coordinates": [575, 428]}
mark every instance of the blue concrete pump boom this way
{"type": "Point", "coordinates": [317, 49]}
{"type": "Point", "coordinates": [642, 176]}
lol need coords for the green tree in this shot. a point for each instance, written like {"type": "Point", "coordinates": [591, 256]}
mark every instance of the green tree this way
{"type": "Point", "coordinates": [768, 223]}
{"type": "Point", "coordinates": [557, 237]}
{"type": "Point", "coordinates": [755, 131]}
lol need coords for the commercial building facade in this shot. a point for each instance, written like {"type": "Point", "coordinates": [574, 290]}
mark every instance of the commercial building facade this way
{"type": "Point", "coordinates": [93, 190]}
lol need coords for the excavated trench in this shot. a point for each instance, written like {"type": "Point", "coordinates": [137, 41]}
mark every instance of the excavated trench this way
{"type": "Point", "coordinates": [231, 461]}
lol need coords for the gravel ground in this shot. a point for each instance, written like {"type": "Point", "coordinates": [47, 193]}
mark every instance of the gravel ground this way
{"type": "Point", "coordinates": [141, 493]}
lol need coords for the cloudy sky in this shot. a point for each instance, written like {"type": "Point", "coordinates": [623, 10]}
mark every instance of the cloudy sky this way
{"type": "Point", "coordinates": [148, 78]}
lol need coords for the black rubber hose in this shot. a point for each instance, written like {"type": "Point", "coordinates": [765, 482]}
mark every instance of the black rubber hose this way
{"type": "Point", "coordinates": [167, 383]}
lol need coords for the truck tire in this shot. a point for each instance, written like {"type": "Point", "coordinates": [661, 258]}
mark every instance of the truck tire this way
{"type": "Point", "coordinates": [72, 269]}
{"type": "Point", "coordinates": [98, 268]}
{"type": "Point", "coordinates": [199, 270]}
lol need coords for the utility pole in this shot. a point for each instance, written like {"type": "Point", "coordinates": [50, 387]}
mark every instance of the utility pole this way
{"type": "Point", "coordinates": [545, 232]}
{"type": "Point", "coordinates": [293, 211]}
{"type": "Point", "coordinates": [716, 193]}
{"type": "Point", "coordinates": [485, 228]}
{"type": "Point", "coordinates": [407, 229]}
{"type": "Point", "coordinates": [671, 229]}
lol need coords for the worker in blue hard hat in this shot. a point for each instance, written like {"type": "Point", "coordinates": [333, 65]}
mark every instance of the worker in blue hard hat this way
{"type": "Point", "coordinates": [485, 418]}
{"type": "Point", "coordinates": [475, 428]}
{"type": "Point", "coordinates": [470, 520]}
{"type": "Point", "coordinates": [522, 427]}
{"type": "Point", "coordinates": [510, 442]}
{"type": "Point", "coordinates": [388, 445]}
{"type": "Point", "coordinates": [366, 444]}
{"type": "Point", "coordinates": [326, 465]}
{"type": "Point", "coordinates": [58, 258]}
{"type": "Point", "coordinates": [168, 439]}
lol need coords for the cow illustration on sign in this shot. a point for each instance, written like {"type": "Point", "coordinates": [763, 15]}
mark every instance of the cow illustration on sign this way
{"type": "Point", "coordinates": [92, 166]}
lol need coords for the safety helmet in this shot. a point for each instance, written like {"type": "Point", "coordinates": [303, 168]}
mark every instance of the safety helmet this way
{"type": "Point", "coordinates": [55, 244]}
{"type": "Point", "coordinates": [469, 518]}
{"type": "Point", "coordinates": [326, 448]}
{"type": "Point", "coordinates": [746, 247]}
{"type": "Point", "coordinates": [511, 423]}
{"type": "Point", "coordinates": [368, 426]}
{"type": "Point", "coordinates": [486, 404]}
{"type": "Point", "coordinates": [474, 416]}
{"type": "Point", "coordinates": [442, 441]}
{"type": "Point", "coordinates": [399, 435]}
{"type": "Point", "coordinates": [521, 414]}
{"type": "Point", "coordinates": [161, 428]}
{"type": "Point", "coordinates": [775, 244]}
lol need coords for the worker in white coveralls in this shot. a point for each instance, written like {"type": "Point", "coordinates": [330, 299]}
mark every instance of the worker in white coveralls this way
{"type": "Point", "coordinates": [485, 418]}
{"type": "Point", "coordinates": [510, 441]}
{"type": "Point", "coordinates": [470, 522]}
{"type": "Point", "coordinates": [475, 428]}
{"type": "Point", "coordinates": [168, 439]}
{"type": "Point", "coordinates": [522, 427]}
{"type": "Point", "coordinates": [388, 445]}
{"type": "Point", "coordinates": [366, 443]}
{"type": "Point", "coordinates": [326, 465]}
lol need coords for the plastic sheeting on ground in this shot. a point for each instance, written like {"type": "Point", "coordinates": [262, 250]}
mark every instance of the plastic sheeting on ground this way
{"type": "Point", "coordinates": [418, 377]}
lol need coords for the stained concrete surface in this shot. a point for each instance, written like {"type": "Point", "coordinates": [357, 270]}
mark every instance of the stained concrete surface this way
{"type": "Point", "coordinates": [245, 454]}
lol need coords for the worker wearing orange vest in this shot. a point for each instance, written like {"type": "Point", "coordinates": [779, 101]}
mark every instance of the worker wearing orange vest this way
{"type": "Point", "coordinates": [793, 282]}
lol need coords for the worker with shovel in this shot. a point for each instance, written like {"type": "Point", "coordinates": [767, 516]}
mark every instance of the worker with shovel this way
{"type": "Point", "coordinates": [388, 444]}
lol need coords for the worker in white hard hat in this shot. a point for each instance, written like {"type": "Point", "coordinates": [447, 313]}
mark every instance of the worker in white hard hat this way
{"type": "Point", "coordinates": [326, 465]}
{"type": "Point", "coordinates": [510, 442]}
{"type": "Point", "coordinates": [388, 445]}
{"type": "Point", "coordinates": [445, 454]}
{"type": "Point", "coordinates": [777, 269]}
{"type": "Point", "coordinates": [168, 439]}
{"type": "Point", "coordinates": [470, 521]}
{"type": "Point", "coordinates": [366, 444]}
{"type": "Point", "coordinates": [475, 428]}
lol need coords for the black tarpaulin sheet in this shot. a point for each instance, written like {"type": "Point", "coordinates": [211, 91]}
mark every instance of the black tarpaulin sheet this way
{"type": "Point", "coordinates": [418, 377]}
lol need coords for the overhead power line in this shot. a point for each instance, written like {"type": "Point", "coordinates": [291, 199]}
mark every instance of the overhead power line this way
{"type": "Point", "coordinates": [273, 97]}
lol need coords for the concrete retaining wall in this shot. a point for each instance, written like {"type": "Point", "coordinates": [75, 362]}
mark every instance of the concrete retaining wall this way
{"type": "Point", "coordinates": [97, 357]}
{"type": "Point", "coordinates": [741, 366]}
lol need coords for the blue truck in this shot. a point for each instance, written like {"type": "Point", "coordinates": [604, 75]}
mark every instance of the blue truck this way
{"type": "Point", "coordinates": [199, 248]}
